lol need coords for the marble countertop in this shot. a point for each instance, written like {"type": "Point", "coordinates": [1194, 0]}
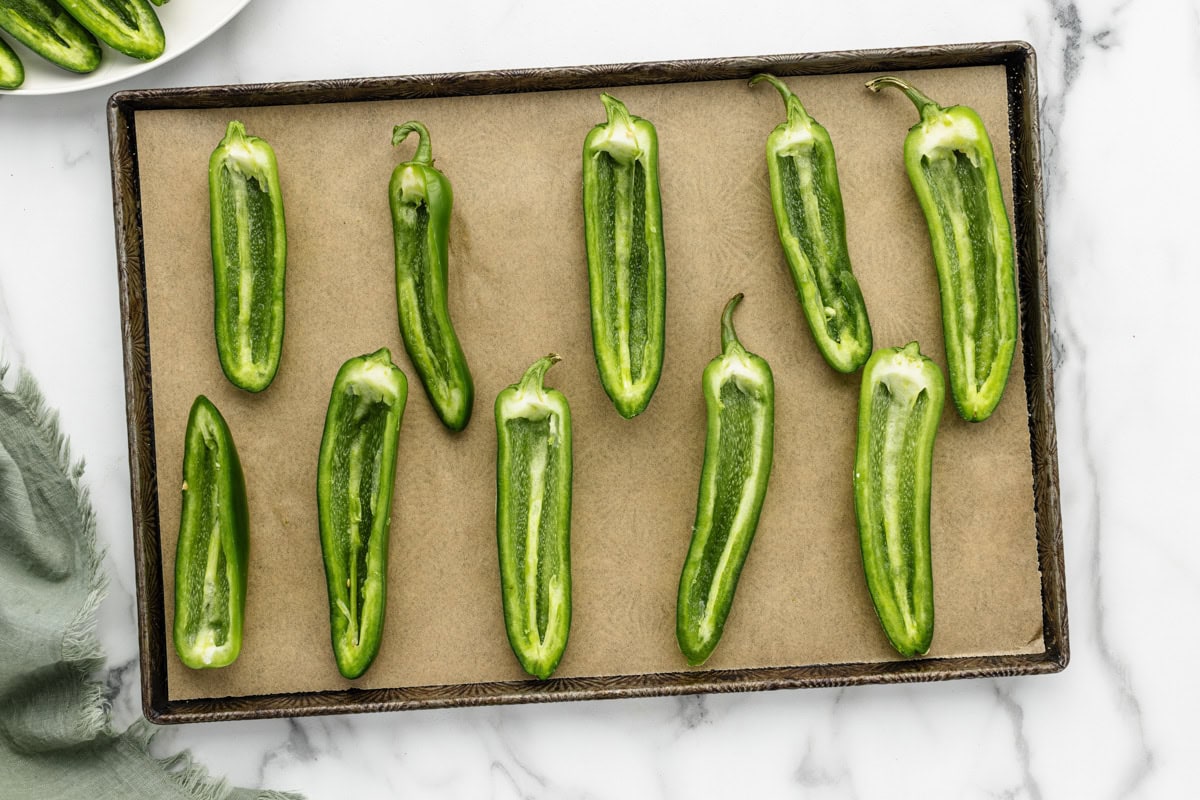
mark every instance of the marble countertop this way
{"type": "Point", "coordinates": [1119, 112]}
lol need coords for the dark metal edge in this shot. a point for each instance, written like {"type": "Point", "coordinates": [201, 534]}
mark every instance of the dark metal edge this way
{"type": "Point", "coordinates": [571, 77]}
{"type": "Point", "coordinates": [614, 687]}
{"type": "Point", "coordinates": [1020, 63]}
{"type": "Point", "coordinates": [1025, 135]}
{"type": "Point", "coordinates": [139, 408]}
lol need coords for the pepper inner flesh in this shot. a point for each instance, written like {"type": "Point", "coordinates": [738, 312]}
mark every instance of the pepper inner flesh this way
{"type": "Point", "coordinates": [895, 439]}
{"type": "Point", "coordinates": [356, 466]}
{"type": "Point", "coordinates": [208, 617]}
{"type": "Point", "coordinates": [413, 249]}
{"type": "Point", "coordinates": [960, 195]}
{"type": "Point", "coordinates": [38, 20]}
{"type": "Point", "coordinates": [811, 221]}
{"type": "Point", "coordinates": [535, 456]}
{"type": "Point", "coordinates": [626, 256]}
{"type": "Point", "coordinates": [740, 429]}
{"type": "Point", "coordinates": [123, 11]}
{"type": "Point", "coordinates": [249, 233]}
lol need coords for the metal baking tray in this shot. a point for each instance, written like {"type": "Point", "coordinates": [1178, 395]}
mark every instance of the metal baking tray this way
{"type": "Point", "coordinates": [1018, 62]}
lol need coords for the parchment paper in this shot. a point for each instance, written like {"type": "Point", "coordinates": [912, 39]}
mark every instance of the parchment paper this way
{"type": "Point", "coordinates": [518, 289]}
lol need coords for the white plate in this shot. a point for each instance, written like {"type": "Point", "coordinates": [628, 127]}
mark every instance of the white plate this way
{"type": "Point", "coordinates": [185, 22]}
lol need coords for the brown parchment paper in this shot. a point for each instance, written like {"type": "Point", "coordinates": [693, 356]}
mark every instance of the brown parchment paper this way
{"type": "Point", "coordinates": [519, 290]}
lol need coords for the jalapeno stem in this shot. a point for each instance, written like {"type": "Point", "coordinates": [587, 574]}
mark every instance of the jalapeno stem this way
{"type": "Point", "coordinates": [729, 337]}
{"type": "Point", "coordinates": [616, 111]}
{"type": "Point", "coordinates": [424, 154]}
{"type": "Point", "coordinates": [532, 380]}
{"type": "Point", "coordinates": [919, 99]}
{"type": "Point", "coordinates": [795, 109]}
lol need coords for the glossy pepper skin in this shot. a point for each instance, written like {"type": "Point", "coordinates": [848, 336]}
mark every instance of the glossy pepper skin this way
{"type": "Point", "coordinates": [211, 559]}
{"type": "Point", "coordinates": [12, 71]}
{"type": "Point", "coordinates": [952, 167]}
{"type": "Point", "coordinates": [421, 201]}
{"type": "Point", "coordinates": [739, 395]}
{"type": "Point", "coordinates": [355, 473]}
{"type": "Point", "coordinates": [249, 254]}
{"type": "Point", "coordinates": [533, 518]}
{"type": "Point", "coordinates": [127, 26]}
{"type": "Point", "coordinates": [807, 199]}
{"type": "Point", "coordinates": [900, 405]}
{"type": "Point", "coordinates": [627, 268]}
{"type": "Point", "coordinates": [48, 30]}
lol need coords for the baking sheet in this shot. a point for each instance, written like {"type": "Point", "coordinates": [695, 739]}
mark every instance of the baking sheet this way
{"type": "Point", "coordinates": [518, 290]}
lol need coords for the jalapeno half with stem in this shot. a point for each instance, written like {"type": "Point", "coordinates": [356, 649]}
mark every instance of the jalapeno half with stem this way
{"type": "Point", "coordinates": [807, 199]}
{"type": "Point", "coordinates": [355, 473]}
{"type": "Point", "coordinates": [421, 201]}
{"type": "Point", "coordinates": [899, 408]}
{"type": "Point", "coordinates": [249, 255]}
{"type": "Point", "coordinates": [950, 163]}
{"type": "Point", "coordinates": [533, 518]}
{"type": "Point", "coordinates": [627, 268]}
{"type": "Point", "coordinates": [739, 395]}
{"type": "Point", "coordinates": [211, 558]}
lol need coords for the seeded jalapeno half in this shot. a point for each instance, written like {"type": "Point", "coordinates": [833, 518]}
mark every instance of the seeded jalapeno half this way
{"type": "Point", "coordinates": [900, 405]}
{"type": "Point", "coordinates": [807, 199]}
{"type": "Point", "coordinates": [533, 518]}
{"type": "Point", "coordinates": [627, 268]}
{"type": "Point", "coordinates": [950, 163]}
{"type": "Point", "coordinates": [421, 200]}
{"type": "Point", "coordinates": [739, 395]}
{"type": "Point", "coordinates": [214, 544]}
{"type": "Point", "coordinates": [249, 255]}
{"type": "Point", "coordinates": [355, 473]}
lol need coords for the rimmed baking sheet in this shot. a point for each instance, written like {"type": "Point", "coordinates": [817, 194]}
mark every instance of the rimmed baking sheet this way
{"type": "Point", "coordinates": [510, 143]}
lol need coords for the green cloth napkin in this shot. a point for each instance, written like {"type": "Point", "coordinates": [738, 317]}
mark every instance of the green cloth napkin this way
{"type": "Point", "coordinates": [56, 736]}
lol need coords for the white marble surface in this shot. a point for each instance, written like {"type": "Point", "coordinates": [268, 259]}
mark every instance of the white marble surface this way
{"type": "Point", "coordinates": [1121, 113]}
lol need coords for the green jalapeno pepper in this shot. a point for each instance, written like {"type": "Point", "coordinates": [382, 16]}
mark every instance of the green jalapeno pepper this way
{"type": "Point", "coordinates": [355, 473]}
{"type": "Point", "coordinates": [421, 200]}
{"type": "Point", "coordinates": [48, 30]}
{"type": "Point", "coordinates": [950, 162]}
{"type": "Point", "coordinates": [249, 254]}
{"type": "Point", "coordinates": [211, 559]}
{"type": "Point", "coordinates": [127, 26]}
{"type": "Point", "coordinates": [533, 518]}
{"type": "Point", "coordinates": [739, 394]}
{"type": "Point", "coordinates": [12, 71]}
{"type": "Point", "coordinates": [807, 199]}
{"type": "Point", "coordinates": [627, 269]}
{"type": "Point", "coordinates": [900, 405]}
